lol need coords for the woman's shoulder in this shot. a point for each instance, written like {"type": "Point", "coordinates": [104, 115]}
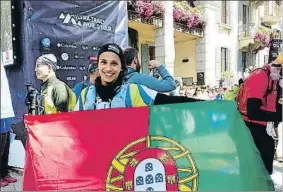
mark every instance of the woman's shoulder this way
{"type": "Point", "coordinates": [141, 90]}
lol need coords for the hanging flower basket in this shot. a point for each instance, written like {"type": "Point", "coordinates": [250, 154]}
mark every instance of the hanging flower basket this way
{"type": "Point", "coordinates": [144, 11]}
{"type": "Point", "coordinates": [186, 16]}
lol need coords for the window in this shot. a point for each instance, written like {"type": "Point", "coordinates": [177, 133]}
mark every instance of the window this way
{"type": "Point", "coordinates": [133, 38]}
{"type": "Point", "coordinates": [224, 59]}
{"type": "Point", "coordinates": [224, 12]}
{"type": "Point", "coordinates": [246, 14]}
{"type": "Point", "coordinates": [244, 60]}
{"type": "Point", "coordinates": [151, 52]}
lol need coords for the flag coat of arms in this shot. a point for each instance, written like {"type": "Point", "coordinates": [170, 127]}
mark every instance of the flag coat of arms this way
{"type": "Point", "coordinates": [178, 147]}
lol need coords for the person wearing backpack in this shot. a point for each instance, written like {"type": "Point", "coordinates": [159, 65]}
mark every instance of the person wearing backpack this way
{"type": "Point", "coordinates": [55, 95]}
{"type": "Point", "coordinates": [258, 102]}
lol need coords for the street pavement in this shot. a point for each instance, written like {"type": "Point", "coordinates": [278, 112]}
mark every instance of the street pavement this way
{"type": "Point", "coordinates": [276, 176]}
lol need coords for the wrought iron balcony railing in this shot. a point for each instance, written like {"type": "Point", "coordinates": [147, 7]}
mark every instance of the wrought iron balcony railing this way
{"type": "Point", "coordinates": [192, 30]}
{"type": "Point", "coordinates": [247, 30]}
{"type": "Point", "coordinates": [153, 20]}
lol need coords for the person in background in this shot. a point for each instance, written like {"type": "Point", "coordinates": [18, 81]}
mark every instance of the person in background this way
{"type": "Point", "coordinates": [246, 74]}
{"type": "Point", "coordinates": [110, 91]}
{"type": "Point", "coordinates": [179, 85]}
{"type": "Point", "coordinates": [231, 94]}
{"type": "Point", "coordinates": [258, 102]}
{"type": "Point", "coordinates": [190, 92]}
{"type": "Point", "coordinates": [203, 94]}
{"type": "Point", "coordinates": [220, 95]}
{"type": "Point", "coordinates": [92, 75]}
{"type": "Point", "coordinates": [166, 84]}
{"type": "Point", "coordinates": [7, 113]}
{"type": "Point", "coordinates": [56, 95]}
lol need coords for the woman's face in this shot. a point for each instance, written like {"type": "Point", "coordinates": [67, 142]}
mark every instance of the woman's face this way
{"type": "Point", "coordinates": [109, 67]}
{"type": "Point", "coordinates": [275, 73]}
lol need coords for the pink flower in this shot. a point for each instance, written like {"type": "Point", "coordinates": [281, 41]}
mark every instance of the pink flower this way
{"type": "Point", "coordinates": [145, 9]}
{"type": "Point", "coordinates": [157, 7]}
{"type": "Point", "coordinates": [192, 21]}
{"type": "Point", "coordinates": [177, 14]}
{"type": "Point", "coordinates": [260, 36]}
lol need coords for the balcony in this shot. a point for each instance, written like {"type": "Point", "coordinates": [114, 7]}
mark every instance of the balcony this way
{"type": "Point", "coordinates": [189, 21]}
{"type": "Point", "coordinates": [137, 17]}
{"type": "Point", "coordinates": [150, 13]}
{"type": "Point", "coordinates": [272, 13]}
{"type": "Point", "coordinates": [195, 31]}
{"type": "Point", "coordinates": [252, 39]}
{"type": "Point", "coordinates": [256, 3]}
{"type": "Point", "coordinates": [247, 31]}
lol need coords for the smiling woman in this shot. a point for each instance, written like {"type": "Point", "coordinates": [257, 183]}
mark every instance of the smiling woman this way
{"type": "Point", "coordinates": [110, 90]}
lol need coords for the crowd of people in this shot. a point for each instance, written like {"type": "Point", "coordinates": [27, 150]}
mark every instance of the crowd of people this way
{"type": "Point", "coordinates": [115, 81]}
{"type": "Point", "coordinates": [210, 93]}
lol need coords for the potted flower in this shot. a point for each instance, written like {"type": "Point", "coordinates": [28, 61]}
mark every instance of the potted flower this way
{"type": "Point", "coordinates": [259, 37]}
{"type": "Point", "coordinates": [188, 16]}
{"type": "Point", "coordinates": [147, 9]}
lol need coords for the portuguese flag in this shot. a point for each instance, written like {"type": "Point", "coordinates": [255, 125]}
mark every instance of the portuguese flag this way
{"type": "Point", "coordinates": [178, 147]}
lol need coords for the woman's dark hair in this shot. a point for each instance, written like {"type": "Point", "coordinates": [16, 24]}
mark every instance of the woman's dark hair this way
{"type": "Point", "coordinates": [130, 53]}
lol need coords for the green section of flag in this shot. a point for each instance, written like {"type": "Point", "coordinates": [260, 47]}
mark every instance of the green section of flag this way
{"type": "Point", "coordinates": [216, 140]}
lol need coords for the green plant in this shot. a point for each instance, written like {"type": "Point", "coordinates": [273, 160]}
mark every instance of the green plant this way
{"type": "Point", "coordinates": [226, 75]}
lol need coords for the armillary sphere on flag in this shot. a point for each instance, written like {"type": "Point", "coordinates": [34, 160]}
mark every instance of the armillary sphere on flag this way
{"type": "Point", "coordinates": [153, 163]}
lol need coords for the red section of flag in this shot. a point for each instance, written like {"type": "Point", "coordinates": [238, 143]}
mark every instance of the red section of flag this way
{"type": "Point", "coordinates": [74, 151]}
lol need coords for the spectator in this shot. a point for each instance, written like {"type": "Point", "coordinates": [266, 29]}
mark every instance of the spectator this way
{"type": "Point", "coordinates": [220, 95]}
{"type": "Point", "coordinates": [259, 106]}
{"type": "Point", "coordinates": [57, 96]}
{"type": "Point", "coordinates": [7, 113]}
{"type": "Point", "coordinates": [92, 75]}
{"type": "Point", "coordinates": [167, 84]}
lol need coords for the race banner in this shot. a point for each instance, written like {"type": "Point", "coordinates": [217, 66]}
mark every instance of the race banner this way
{"type": "Point", "coordinates": [180, 147]}
{"type": "Point", "coordinates": [275, 47]}
{"type": "Point", "coordinates": [73, 31]}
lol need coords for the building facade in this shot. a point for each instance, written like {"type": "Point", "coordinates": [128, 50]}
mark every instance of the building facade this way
{"type": "Point", "coordinates": [216, 54]}
{"type": "Point", "coordinates": [163, 38]}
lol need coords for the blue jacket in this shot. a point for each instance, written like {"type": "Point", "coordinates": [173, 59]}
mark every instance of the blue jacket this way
{"type": "Point", "coordinates": [130, 95]}
{"type": "Point", "coordinates": [79, 87]}
{"type": "Point", "coordinates": [220, 96]}
{"type": "Point", "coordinates": [5, 125]}
{"type": "Point", "coordinates": [167, 84]}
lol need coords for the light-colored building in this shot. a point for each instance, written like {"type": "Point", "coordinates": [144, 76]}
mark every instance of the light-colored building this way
{"type": "Point", "coordinates": [263, 17]}
{"type": "Point", "coordinates": [219, 54]}
{"type": "Point", "coordinates": [167, 41]}
{"type": "Point", "coordinates": [229, 46]}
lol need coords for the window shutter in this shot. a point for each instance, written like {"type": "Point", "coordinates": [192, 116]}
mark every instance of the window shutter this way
{"type": "Point", "coordinates": [229, 60]}
{"type": "Point", "coordinates": [241, 12]}
{"type": "Point", "coordinates": [229, 13]}
{"type": "Point", "coordinates": [218, 12]}
{"type": "Point", "coordinates": [218, 63]}
{"type": "Point", "coordinates": [145, 58]}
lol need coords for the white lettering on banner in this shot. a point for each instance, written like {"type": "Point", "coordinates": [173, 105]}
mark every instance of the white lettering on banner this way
{"type": "Point", "coordinates": [85, 21]}
{"type": "Point", "coordinates": [66, 45]}
{"type": "Point", "coordinates": [66, 67]}
{"type": "Point", "coordinates": [72, 78]}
